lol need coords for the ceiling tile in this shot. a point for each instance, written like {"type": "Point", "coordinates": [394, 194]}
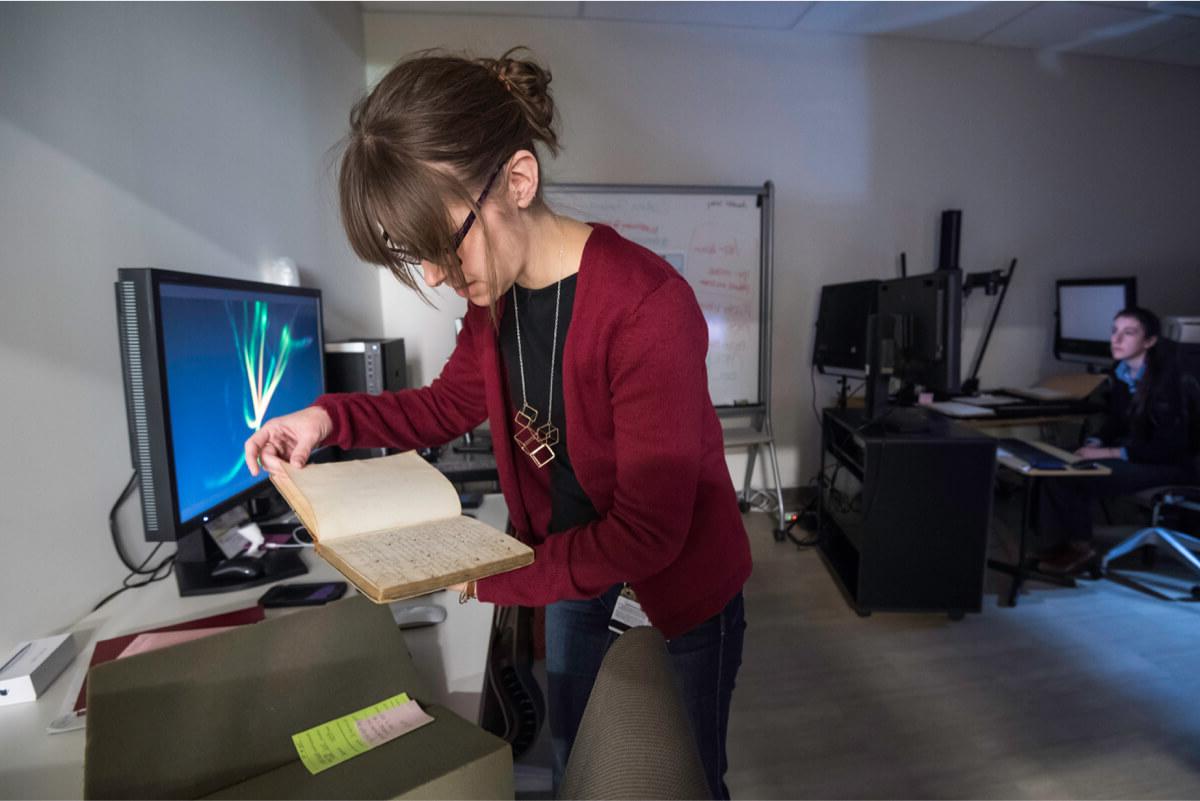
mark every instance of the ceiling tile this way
{"type": "Point", "coordinates": [1186, 9]}
{"type": "Point", "coordinates": [1067, 26]}
{"type": "Point", "coordinates": [1142, 6]}
{"type": "Point", "coordinates": [777, 16]}
{"type": "Point", "coordinates": [955, 21]}
{"type": "Point", "coordinates": [1185, 52]}
{"type": "Point", "coordinates": [1133, 39]}
{"type": "Point", "coordinates": [475, 7]}
{"type": "Point", "coordinates": [1167, 32]}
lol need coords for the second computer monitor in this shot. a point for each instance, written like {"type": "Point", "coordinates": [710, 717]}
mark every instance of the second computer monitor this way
{"type": "Point", "coordinates": [926, 311]}
{"type": "Point", "coordinates": [841, 340]}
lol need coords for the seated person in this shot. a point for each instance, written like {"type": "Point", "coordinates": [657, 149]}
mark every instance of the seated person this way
{"type": "Point", "coordinates": [1144, 440]}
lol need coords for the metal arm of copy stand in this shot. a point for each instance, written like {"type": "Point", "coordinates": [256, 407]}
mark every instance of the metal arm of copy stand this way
{"type": "Point", "coordinates": [991, 283]}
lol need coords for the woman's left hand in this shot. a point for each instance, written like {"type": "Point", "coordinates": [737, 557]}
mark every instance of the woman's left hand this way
{"type": "Point", "coordinates": [1093, 452]}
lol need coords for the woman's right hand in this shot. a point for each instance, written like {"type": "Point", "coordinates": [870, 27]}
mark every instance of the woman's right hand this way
{"type": "Point", "coordinates": [290, 438]}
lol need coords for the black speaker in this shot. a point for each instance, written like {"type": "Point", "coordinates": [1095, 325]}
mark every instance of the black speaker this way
{"type": "Point", "coordinates": [951, 235]}
{"type": "Point", "coordinates": [365, 365]}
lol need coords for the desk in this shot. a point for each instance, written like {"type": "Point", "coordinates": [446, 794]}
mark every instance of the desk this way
{"type": "Point", "coordinates": [1029, 476]}
{"type": "Point", "coordinates": [985, 423]}
{"type": "Point", "coordinates": [1048, 426]}
{"type": "Point", "coordinates": [33, 764]}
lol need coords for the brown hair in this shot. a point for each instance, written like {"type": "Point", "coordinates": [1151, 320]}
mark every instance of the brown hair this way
{"type": "Point", "coordinates": [432, 131]}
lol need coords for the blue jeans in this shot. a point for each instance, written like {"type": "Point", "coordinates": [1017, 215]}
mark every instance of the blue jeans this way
{"type": "Point", "coordinates": [706, 662]}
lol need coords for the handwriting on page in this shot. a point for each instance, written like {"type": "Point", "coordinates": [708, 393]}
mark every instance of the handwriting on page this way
{"type": "Point", "coordinates": [430, 550]}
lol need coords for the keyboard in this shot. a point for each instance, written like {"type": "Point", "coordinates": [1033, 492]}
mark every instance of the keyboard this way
{"type": "Point", "coordinates": [987, 399]}
{"type": "Point", "coordinates": [957, 409]}
{"type": "Point", "coordinates": [1044, 394]}
{"type": "Point", "coordinates": [1031, 455]}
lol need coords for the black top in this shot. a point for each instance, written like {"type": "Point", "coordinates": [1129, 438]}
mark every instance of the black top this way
{"type": "Point", "coordinates": [570, 505]}
{"type": "Point", "coordinates": [1160, 433]}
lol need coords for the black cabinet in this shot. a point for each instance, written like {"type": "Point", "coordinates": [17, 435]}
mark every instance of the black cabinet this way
{"type": "Point", "coordinates": [904, 523]}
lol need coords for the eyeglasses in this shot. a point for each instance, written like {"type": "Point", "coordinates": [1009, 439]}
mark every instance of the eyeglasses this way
{"type": "Point", "coordinates": [410, 258]}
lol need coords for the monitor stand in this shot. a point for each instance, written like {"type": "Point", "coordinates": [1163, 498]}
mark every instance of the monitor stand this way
{"type": "Point", "coordinates": [197, 554]}
{"type": "Point", "coordinates": [902, 419]}
{"type": "Point", "coordinates": [898, 419]}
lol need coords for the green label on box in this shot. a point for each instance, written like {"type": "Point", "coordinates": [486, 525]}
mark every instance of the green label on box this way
{"type": "Point", "coordinates": [332, 743]}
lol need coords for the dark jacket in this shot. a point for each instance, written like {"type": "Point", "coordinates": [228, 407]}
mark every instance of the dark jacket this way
{"type": "Point", "coordinates": [1160, 432]}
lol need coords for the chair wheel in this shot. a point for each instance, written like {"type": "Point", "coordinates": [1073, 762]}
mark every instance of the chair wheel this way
{"type": "Point", "coordinates": [863, 612]}
{"type": "Point", "coordinates": [743, 506]}
{"type": "Point", "coordinates": [1196, 591]}
{"type": "Point", "coordinates": [956, 615]}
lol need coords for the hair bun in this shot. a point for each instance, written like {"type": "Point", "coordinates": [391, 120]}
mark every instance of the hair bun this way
{"type": "Point", "coordinates": [529, 84]}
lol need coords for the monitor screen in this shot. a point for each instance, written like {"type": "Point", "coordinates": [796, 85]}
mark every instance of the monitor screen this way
{"type": "Point", "coordinates": [1087, 312]}
{"type": "Point", "coordinates": [1086, 308]}
{"type": "Point", "coordinates": [841, 340]}
{"type": "Point", "coordinates": [233, 358]}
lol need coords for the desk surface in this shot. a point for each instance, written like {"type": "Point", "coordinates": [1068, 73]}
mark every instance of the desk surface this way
{"type": "Point", "coordinates": [451, 655]}
{"type": "Point", "coordinates": [983, 423]}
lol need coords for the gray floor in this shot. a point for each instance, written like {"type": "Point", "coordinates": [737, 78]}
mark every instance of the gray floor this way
{"type": "Point", "coordinates": [1076, 693]}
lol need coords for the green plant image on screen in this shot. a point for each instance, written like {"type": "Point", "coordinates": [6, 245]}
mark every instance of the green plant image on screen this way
{"type": "Point", "coordinates": [263, 363]}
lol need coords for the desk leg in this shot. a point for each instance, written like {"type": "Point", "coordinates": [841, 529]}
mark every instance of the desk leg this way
{"type": "Point", "coordinates": [1019, 574]}
{"type": "Point", "coordinates": [1020, 571]}
{"type": "Point", "coordinates": [1017, 570]}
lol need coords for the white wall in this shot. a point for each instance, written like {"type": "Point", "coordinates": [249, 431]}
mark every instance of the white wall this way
{"type": "Point", "coordinates": [190, 136]}
{"type": "Point", "coordinates": [1081, 167]}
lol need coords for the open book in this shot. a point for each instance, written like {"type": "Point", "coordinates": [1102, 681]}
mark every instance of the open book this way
{"type": "Point", "coordinates": [394, 526]}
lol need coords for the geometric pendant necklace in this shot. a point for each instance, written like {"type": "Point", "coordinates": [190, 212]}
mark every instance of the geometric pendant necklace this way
{"type": "Point", "coordinates": [537, 442]}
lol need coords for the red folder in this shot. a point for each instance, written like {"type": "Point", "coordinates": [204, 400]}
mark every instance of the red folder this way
{"type": "Point", "coordinates": [108, 650]}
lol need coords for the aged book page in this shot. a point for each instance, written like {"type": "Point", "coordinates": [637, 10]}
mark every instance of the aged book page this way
{"type": "Point", "coordinates": [403, 562]}
{"type": "Point", "coordinates": [341, 499]}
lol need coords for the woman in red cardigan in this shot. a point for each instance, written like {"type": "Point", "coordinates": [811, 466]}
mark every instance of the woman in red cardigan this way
{"type": "Point", "coordinates": [585, 351]}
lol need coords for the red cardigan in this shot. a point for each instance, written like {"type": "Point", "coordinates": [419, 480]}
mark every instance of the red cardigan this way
{"type": "Point", "coordinates": [646, 443]}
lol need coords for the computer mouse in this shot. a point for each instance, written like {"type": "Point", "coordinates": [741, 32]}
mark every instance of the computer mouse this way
{"type": "Point", "coordinates": [243, 567]}
{"type": "Point", "coordinates": [418, 615]}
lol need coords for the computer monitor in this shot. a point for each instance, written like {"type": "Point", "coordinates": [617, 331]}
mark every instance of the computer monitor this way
{"type": "Point", "coordinates": [841, 339]}
{"type": "Point", "coordinates": [205, 361]}
{"type": "Point", "coordinates": [916, 336]}
{"type": "Point", "coordinates": [1084, 312]}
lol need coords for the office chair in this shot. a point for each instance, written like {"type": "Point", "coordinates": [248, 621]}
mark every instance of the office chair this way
{"type": "Point", "coordinates": [1168, 502]}
{"type": "Point", "coordinates": [635, 739]}
{"type": "Point", "coordinates": [1183, 546]}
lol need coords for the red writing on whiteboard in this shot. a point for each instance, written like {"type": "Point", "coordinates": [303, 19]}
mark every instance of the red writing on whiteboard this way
{"type": "Point", "coordinates": [732, 286]}
{"type": "Point", "coordinates": [712, 250]}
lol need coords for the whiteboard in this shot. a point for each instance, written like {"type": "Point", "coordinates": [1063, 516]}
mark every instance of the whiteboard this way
{"type": "Point", "coordinates": [714, 238]}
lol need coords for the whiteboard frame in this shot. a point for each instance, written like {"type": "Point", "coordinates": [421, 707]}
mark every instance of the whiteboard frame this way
{"type": "Point", "coordinates": [765, 196]}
